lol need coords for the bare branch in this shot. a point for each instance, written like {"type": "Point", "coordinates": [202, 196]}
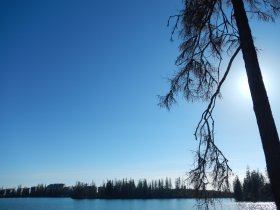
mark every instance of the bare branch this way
{"type": "Point", "coordinates": [209, 158]}
{"type": "Point", "coordinates": [208, 29]}
{"type": "Point", "coordinates": [175, 26]}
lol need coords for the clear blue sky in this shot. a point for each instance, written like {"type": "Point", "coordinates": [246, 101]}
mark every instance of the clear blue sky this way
{"type": "Point", "coordinates": [78, 94]}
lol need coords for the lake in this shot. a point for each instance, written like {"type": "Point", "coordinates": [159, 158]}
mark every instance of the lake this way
{"type": "Point", "coordinates": [136, 204]}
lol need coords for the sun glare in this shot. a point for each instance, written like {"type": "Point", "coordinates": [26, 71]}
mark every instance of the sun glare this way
{"type": "Point", "coordinates": [243, 85]}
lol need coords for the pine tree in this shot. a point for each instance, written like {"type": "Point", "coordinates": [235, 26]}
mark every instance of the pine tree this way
{"type": "Point", "coordinates": [237, 189]}
{"type": "Point", "coordinates": [210, 28]}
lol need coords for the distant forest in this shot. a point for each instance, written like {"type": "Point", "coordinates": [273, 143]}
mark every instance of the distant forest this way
{"type": "Point", "coordinates": [255, 187]}
{"type": "Point", "coordinates": [113, 189]}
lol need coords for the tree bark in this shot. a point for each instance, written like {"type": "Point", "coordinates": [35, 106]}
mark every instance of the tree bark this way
{"type": "Point", "coordinates": [265, 121]}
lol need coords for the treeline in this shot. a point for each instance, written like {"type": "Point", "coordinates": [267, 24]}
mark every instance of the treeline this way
{"type": "Point", "coordinates": [52, 190]}
{"type": "Point", "coordinates": [254, 188]}
{"type": "Point", "coordinates": [114, 189]}
{"type": "Point", "coordinates": [129, 189]}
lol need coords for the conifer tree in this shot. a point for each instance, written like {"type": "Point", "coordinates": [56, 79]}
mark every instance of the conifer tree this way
{"type": "Point", "coordinates": [237, 189]}
{"type": "Point", "coordinates": [211, 29]}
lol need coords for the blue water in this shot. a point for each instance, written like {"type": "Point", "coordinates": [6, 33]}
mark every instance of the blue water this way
{"type": "Point", "coordinates": [152, 204]}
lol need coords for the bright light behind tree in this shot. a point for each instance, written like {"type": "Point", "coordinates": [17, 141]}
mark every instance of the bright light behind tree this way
{"type": "Point", "coordinates": [243, 86]}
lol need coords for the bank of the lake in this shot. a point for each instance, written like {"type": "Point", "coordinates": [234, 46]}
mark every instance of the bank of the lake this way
{"type": "Point", "coordinates": [113, 189]}
{"type": "Point", "coordinates": [115, 204]}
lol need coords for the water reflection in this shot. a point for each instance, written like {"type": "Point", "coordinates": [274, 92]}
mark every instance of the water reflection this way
{"type": "Point", "coordinates": [137, 204]}
{"type": "Point", "coordinates": [256, 206]}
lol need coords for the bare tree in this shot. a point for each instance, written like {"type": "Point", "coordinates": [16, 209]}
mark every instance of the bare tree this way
{"type": "Point", "coordinates": [211, 30]}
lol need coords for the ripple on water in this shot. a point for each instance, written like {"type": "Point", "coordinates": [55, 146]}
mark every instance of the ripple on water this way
{"type": "Point", "coordinates": [256, 206]}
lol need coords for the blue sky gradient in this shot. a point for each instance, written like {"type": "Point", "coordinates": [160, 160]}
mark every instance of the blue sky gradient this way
{"type": "Point", "coordinates": [78, 86]}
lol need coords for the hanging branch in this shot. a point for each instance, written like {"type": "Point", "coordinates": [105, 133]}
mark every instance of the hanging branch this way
{"type": "Point", "coordinates": [209, 156]}
{"type": "Point", "coordinates": [208, 30]}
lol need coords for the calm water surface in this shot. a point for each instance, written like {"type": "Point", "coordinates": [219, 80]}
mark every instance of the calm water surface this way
{"type": "Point", "coordinates": [152, 204]}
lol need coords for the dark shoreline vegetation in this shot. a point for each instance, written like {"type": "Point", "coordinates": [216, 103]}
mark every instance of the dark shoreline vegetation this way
{"type": "Point", "coordinates": [254, 188]}
{"type": "Point", "coordinates": [117, 189]}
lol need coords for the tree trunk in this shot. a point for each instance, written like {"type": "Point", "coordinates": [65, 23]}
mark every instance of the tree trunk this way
{"type": "Point", "coordinates": [265, 121]}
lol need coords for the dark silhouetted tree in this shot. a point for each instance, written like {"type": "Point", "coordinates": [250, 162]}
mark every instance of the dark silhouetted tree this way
{"type": "Point", "coordinates": [255, 188]}
{"type": "Point", "coordinates": [247, 188]}
{"type": "Point", "coordinates": [210, 30]}
{"type": "Point", "coordinates": [177, 183]}
{"type": "Point", "coordinates": [237, 189]}
{"type": "Point", "coordinates": [255, 184]}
